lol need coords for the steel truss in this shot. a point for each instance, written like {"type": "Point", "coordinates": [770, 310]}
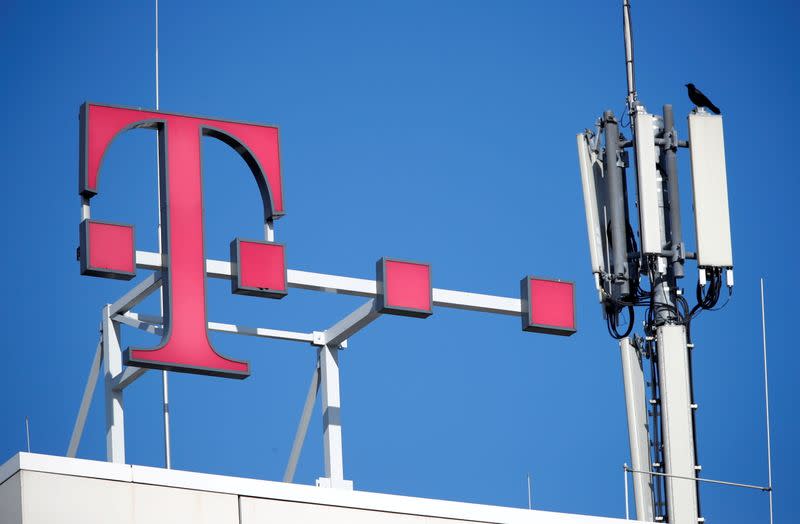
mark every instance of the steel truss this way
{"type": "Point", "coordinates": [325, 377]}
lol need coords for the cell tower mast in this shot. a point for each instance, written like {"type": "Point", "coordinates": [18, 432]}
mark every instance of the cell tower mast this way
{"type": "Point", "coordinates": [657, 368]}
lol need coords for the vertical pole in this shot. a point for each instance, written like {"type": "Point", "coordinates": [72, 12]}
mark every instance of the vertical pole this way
{"type": "Point", "coordinates": [627, 504]}
{"type": "Point", "coordinates": [678, 426]}
{"type": "Point", "coordinates": [638, 431]}
{"type": "Point", "coordinates": [629, 70]}
{"type": "Point", "coordinates": [618, 216]}
{"type": "Point", "coordinates": [115, 415]}
{"type": "Point", "coordinates": [164, 376]}
{"type": "Point", "coordinates": [331, 419]}
{"type": "Point", "coordinates": [530, 500]}
{"type": "Point", "coordinates": [85, 210]}
{"type": "Point", "coordinates": [28, 433]}
{"type": "Point", "coordinates": [157, 101]}
{"type": "Point", "coordinates": [269, 230]}
{"type": "Point", "coordinates": [331, 405]}
{"type": "Point", "coordinates": [165, 397]}
{"type": "Point", "coordinates": [766, 397]}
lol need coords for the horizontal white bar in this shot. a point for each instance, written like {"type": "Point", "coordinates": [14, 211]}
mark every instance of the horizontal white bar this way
{"type": "Point", "coordinates": [152, 324]}
{"type": "Point", "coordinates": [331, 283]}
{"type": "Point", "coordinates": [358, 286]}
{"type": "Point", "coordinates": [261, 332]}
{"type": "Point", "coordinates": [149, 260]}
{"type": "Point", "coordinates": [129, 318]}
{"type": "Point", "coordinates": [476, 302]}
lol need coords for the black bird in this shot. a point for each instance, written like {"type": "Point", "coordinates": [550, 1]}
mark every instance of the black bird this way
{"type": "Point", "coordinates": [699, 99]}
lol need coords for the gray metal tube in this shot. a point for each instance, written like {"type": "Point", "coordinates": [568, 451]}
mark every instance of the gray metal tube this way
{"type": "Point", "coordinates": [669, 165]}
{"type": "Point", "coordinates": [638, 431]}
{"type": "Point", "coordinates": [617, 211]}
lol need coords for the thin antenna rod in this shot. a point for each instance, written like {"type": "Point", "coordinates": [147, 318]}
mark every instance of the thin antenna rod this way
{"type": "Point", "coordinates": [766, 396]}
{"type": "Point", "coordinates": [157, 104]}
{"type": "Point", "coordinates": [530, 500]}
{"type": "Point", "coordinates": [627, 503]}
{"type": "Point", "coordinates": [626, 23]}
{"type": "Point", "coordinates": [28, 433]}
{"type": "Point", "coordinates": [164, 379]}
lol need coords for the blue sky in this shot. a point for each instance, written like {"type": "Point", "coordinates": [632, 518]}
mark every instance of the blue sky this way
{"type": "Point", "coordinates": [436, 131]}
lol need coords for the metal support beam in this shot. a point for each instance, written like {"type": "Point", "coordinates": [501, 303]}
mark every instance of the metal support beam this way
{"type": "Point", "coordinates": [678, 428]}
{"type": "Point", "coordinates": [152, 324]}
{"type": "Point", "coordinates": [331, 420]}
{"type": "Point", "coordinates": [477, 302]}
{"type": "Point", "coordinates": [261, 332]}
{"type": "Point", "coordinates": [115, 421]}
{"type": "Point", "coordinates": [302, 427]}
{"type": "Point", "coordinates": [638, 431]}
{"type": "Point", "coordinates": [361, 287]}
{"type": "Point", "coordinates": [269, 230]}
{"type": "Point", "coordinates": [350, 325]}
{"type": "Point", "coordinates": [132, 319]}
{"type": "Point", "coordinates": [139, 292]}
{"type": "Point", "coordinates": [710, 481]}
{"type": "Point", "coordinates": [127, 377]}
{"type": "Point", "coordinates": [86, 401]}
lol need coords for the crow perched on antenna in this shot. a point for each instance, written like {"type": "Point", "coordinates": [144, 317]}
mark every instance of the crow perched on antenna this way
{"type": "Point", "coordinates": [699, 99]}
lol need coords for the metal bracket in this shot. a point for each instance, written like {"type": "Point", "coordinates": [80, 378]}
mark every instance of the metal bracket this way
{"type": "Point", "coordinates": [349, 325]}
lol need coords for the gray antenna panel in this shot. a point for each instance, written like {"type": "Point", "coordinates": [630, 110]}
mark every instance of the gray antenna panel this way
{"type": "Point", "coordinates": [710, 188]}
{"type": "Point", "coordinates": [649, 184]}
{"type": "Point", "coordinates": [594, 201]}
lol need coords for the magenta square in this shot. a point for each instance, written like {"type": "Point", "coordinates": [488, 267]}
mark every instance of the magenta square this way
{"type": "Point", "coordinates": [404, 287]}
{"type": "Point", "coordinates": [260, 268]}
{"type": "Point", "coordinates": [107, 250]}
{"type": "Point", "coordinates": [548, 306]}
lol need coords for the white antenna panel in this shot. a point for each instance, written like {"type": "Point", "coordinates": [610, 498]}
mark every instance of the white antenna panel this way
{"type": "Point", "coordinates": [710, 188]}
{"type": "Point", "coordinates": [594, 200]}
{"type": "Point", "coordinates": [649, 184]}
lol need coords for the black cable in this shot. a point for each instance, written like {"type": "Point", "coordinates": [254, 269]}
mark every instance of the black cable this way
{"type": "Point", "coordinates": [612, 321]}
{"type": "Point", "coordinates": [707, 299]}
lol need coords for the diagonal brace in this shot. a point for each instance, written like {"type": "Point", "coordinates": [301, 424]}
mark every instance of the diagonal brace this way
{"type": "Point", "coordinates": [139, 292]}
{"type": "Point", "coordinates": [302, 427]}
{"type": "Point", "coordinates": [86, 401]}
{"type": "Point", "coordinates": [127, 377]}
{"type": "Point", "coordinates": [349, 325]}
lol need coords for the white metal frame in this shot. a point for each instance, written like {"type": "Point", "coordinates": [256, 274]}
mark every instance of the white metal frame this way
{"type": "Point", "coordinates": [326, 373]}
